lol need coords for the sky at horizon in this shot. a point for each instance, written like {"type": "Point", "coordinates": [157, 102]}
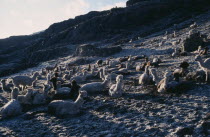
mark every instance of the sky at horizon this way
{"type": "Point", "coordinates": [25, 17]}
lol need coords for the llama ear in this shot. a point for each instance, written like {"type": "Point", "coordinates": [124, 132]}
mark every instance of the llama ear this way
{"type": "Point", "coordinates": [81, 92]}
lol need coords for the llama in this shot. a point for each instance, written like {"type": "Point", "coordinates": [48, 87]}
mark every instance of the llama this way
{"type": "Point", "coordinates": [79, 78]}
{"type": "Point", "coordinates": [205, 65]}
{"type": "Point", "coordinates": [24, 80]}
{"type": "Point", "coordinates": [144, 79]}
{"type": "Point", "coordinates": [66, 107]}
{"type": "Point", "coordinates": [175, 53]}
{"type": "Point", "coordinates": [96, 87]}
{"type": "Point", "coordinates": [124, 70]}
{"type": "Point", "coordinates": [113, 63]}
{"type": "Point", "coordinates": [165, 84]}
{"type": "Point", "coordinates": [6, 87]}
{"type": "Point", "coordinates": [67, 76]}
{"type": "Point", "coordinates": [161, 43]}
{"type": "Point", "coordinates": [10, 109]}
{"type": "Point", "coordinates": [116, 90]}
{"type": "Point", "coordinates": [62, 90]}
{"type": "Point", "coordinates": [182, 71]}
{"type": "Point", "coordinates": [99, 62]}
{"type": "Point", "coordinates": [194, 25]}
{"type": "Point", "coordinates": [93, 75]}
{"type": "Point", "coordinates": [14, 93]}
{"type": "Point", "coordinates": [155, 78]}
{"type": "Point", "coordinates": [62, 68]}
{"type": "Point", "coordinates": [43, 71]}
{"type": "Point", "coordinates": [204, 52]}
{"type": "Point", "coordinates": [155, 62]}
{"type": "Point", "coordinates": [101, 73]}
{"type": "Point", "coordinates": [51, 68]}
{"type": "Point", "coordinates": [13, 107]}
{"type": "Point", "coordinates": [198, 76]}
{"type": "Point", "coordinates": [27, 98]}
{"type": "Point", "coordinates": [49, 77]}
{"type": "Point", "coordinates": [41, 98]}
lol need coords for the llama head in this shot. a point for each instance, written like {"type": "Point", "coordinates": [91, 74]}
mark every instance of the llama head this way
{"type": "Point", "coordinates": [83, 93]}
{"type": "Point", "coordinates": [119, 78]}
{"type": "Point", "coordinates": [198, 58]}
{"type": "Point", "coordinates": [155, 60]}
{"type": "Point", "coordinates": [73, 82]}
{"type": "Point", "coordinates": [199, 48]}
{"type": "Point", "coordinates": [85, 73]}
{"type": "Point", "coordinates": [101, 70]}
{"type": "Point", "coordinates": [45, 87]}
{"type": "Point", "coordinates": [148, 64]}
{"type": "Point", "coordinates": [58, 84]}
{"type": "Point", "coordinates": [147, 68]}
{"type": "Point", "coordinates": [15, 89]}
{"type": "Point", "coordinates": [3, 80]}
{"type": "Point", "coordinates": [14, 93]}
{"type": "Point", "coordinates": [108, 77]}
{"type": "Point", "coordinates": [36, 74]}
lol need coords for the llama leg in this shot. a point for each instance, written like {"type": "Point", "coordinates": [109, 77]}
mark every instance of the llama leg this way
{"type": "Point", "coordinates": [18, 86]}
{"type": "Point", "coordinates": [23, 88]}
{"type": "Point", "coordinates": [207, 77]}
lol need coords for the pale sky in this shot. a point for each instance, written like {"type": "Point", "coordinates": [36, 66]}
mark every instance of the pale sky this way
{"type": "Point", "coordinates": [23, 17]}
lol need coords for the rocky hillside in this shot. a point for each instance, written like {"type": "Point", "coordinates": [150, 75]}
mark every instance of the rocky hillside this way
{"type": "Point", "coordinates": [138, 112]}
{"type": "Point", "coordinates": [115, 26]}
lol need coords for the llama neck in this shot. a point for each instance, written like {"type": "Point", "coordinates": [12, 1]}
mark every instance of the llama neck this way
{"type": "Point", "coordinates": [79, 101]}
{"type": "Point", "coordinates": [146, 70]}
{"type": "Point", "coordinates": [14, 94]}
{"type": "Point", "coordinates": [48, 77]}
{"type": "Point", "coordinates": [101, 74]}
{"type": "Point", "coordinates": [104, 71]}
{"type": "Point", "coordinates": [3, 84]}
{"type": "Point", "coordinates": [55, 66]}
{"type": "Point", "coordinates": [92, 71]}
{"type": "Point", "coordinates": [84, 76]}
{"type": "Point", "coordinates": [201, 63]}
{"type": "Point", "coordinates": [155, 77]}
{"type": "Point", "coordinates": [118, 85]}
{"type": "Point", "coordinates": [28, 95]}
{"type": "Point", "coordinates": [166, 80]}
{"type": "Point", "coordinates": [34, 77]}
{"type": "Point", "coordinates": [127, 65]}
{"type": "Point", "coordinates": [106, 81]}
{"type": "Point", "coordinates": [46, 92]}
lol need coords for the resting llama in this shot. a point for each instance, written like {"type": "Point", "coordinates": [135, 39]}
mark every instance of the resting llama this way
{"type": "Point", "coordinates": [66, 107]}
{"type": "Point", "coordinates": [96, 87]}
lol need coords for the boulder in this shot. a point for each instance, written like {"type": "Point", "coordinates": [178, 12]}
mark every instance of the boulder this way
{"type": "Point", "coordinates": [192, 42]}
{"type": "Point", "coordinates": [182, 131]}
{"type": "Point", "coordinates": [88, 50]}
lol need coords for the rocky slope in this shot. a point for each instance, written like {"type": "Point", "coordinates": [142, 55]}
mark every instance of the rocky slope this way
{"type": "Point", "coordinates": [106, 27]}
{"type": "Point", "coordinates": [136, 113]}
